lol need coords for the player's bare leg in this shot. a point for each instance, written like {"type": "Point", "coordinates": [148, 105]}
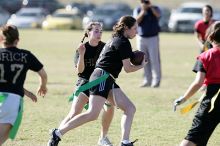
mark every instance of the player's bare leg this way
{"type": "Point", "coordinates": [90, 115]}
{"type": "Point", "coordinates": [187, 143]}
{"type": "Point", "coordinates": [4, 132]}
{"type": "Point", "coordinates": [77, 107]}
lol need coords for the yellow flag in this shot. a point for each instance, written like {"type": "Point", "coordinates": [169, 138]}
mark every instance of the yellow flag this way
{"type": "Point", "coordinates": [190, 106]}
{"type": "Point", "coordinates": [205, 46]}
{"type": "Point", "coordinates": [213, 101]}
{"type": "Point", "coordinates": [187, 108]}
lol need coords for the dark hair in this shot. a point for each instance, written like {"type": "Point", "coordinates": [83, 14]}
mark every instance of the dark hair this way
{"type": "Point", "coordinates": [215, 32]}
{"type": "Point", "coordinates": [210, 8]}
{"type": "Point", "coordinates": [10, 34]}
{"type": "Point", "coordinates": [146, 1]}
{"type": "Point", "coordinates": [124, 21]}
{"type": "Point", "coordinates": [89, 28]}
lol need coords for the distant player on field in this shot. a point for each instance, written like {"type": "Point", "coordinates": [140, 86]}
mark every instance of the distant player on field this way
{"type": "Point", "coordinates": [201, 26]}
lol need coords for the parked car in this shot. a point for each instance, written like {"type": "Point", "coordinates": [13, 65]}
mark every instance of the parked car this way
{"type": "Point", "coordinates": [49, 5]}
{"type": "Point", "coordinates": [28, 18]}
{"type": "Point", "coordinates": [83, 7]}
{"type": "Point", "coordinates": [4, 16]}
{"type": "Point", "coordinates": [216, 15]}
{"type": "Point", "coordinates": [63, 19]}
{"type": "Point", "coordinates": [183, 18]}
{"type": "Point", "coordinates": [164, 19]}
{"type": "Point", "coordinates": [108, 14]}
{"type": "Point", "coordinates": [12, 6]}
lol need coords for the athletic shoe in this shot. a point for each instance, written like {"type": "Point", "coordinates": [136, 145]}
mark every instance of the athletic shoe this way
{"type": "Point", "coordinates": [155, 85]}
{"type": "Point", "coordinates": [129, 144]}
{"type": "Point", "coordinates": [145, 85]}
{"type": "Point", "coordinates": [104, 142]}
{"type": "Point", "coordinates": [54, 140]}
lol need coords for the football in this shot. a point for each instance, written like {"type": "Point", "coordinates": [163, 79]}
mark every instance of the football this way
{"type": "Point", "coordinates": [137, 57]}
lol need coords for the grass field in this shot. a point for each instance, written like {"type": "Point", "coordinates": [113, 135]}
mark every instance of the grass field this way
{"type": "Point", "coordinates": [155, 124]}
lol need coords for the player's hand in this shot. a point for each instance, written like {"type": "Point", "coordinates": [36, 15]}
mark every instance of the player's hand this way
{"type": "Point", "coordinates": [149, 5]}
{"type": "Point", "coordinates": [177, 102]}
{"type": "Point", "coordinates": [42, 91]}
{"type": "Point", "coordinates": [31, 95]}
{"type": "Point", "coordinates": [144, 62]}
{"type": "Point", "coordinates": [81, 49]}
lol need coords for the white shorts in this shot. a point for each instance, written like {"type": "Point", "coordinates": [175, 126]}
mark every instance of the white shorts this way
{"type": "Point", "coordinates": [9, 108]}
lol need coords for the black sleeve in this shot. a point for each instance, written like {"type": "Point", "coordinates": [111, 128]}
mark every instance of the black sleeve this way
{"type": "Point", "coordinates": [197, 30]}
{"type": "Point", "coordinates": [125, 50]}
{"type": "Point", "coordinates": [198, 67]}
{"type": "Point", "coordinates": [76, 58]}
{"type": "Point", "coordinates": [34, 63]}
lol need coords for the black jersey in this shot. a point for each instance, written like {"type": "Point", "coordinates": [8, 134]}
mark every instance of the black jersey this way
{"type": "Point", "coordinates": [14, 64]}
{"type": "Point", "coordinates": [90, 58]}
{"type": "Point", "coordinates": [116, 50]}
{"type": "Point", "coordinates": [198, 67]}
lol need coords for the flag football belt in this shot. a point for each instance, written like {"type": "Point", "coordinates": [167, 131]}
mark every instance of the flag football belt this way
{"type": "Point", "coordinates": [2, 97]}
{"type": "Point", "coordinates": [14, 129]}
{"type": "Point", "coordinates": [17, 123]}
{"type": "Point", "coordinates": [91, 84]}
{"type": "Point", "coordinates": [213, 100]}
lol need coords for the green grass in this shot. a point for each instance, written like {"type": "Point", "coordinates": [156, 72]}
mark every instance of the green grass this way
{"type": "Point", "coordinates": [155, 124]}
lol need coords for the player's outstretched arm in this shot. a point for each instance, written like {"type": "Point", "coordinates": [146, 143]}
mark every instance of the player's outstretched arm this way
{"type": "Point", "coordinates": [193, 88]}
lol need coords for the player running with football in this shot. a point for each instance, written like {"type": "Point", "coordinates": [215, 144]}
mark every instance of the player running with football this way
{"type": "Point", "coordinates": [14, 64]}
{"type": "Point", "coordinates": [115, 55]}
{"type": "Point", "coordinates": [85, 59]}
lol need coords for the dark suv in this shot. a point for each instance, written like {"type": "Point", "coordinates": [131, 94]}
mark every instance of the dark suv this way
{"type": "Point", "coordinates": [83, 7]}
{"type": "Point", "coordinates": [50, 5]}
{"type": "Point", "coordinates": [108, 14]}
{"type": "Point", "coordinates": [11, 6]}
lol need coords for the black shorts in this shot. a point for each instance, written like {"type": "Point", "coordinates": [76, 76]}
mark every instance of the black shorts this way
{"type": "Point", "coordinates": [80, 82]}
{"type": "Point", "coordinates": [104, 87]}
{"type": "Point", "coordinates": [205, 122]}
